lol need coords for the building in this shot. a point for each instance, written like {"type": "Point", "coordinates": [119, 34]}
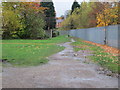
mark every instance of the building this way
{"type": "Point", "coordinates": [59, 20]}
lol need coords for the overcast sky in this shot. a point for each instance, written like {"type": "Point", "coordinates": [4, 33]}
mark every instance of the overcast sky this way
{"type": "Point", "coordinates": [62, 5]}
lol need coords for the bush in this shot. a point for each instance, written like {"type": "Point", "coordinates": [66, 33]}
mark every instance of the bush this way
{"type": "Point", "coordinates": [55, 33]}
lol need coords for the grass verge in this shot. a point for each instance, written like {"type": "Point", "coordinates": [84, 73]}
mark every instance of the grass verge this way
{"type": "Point", "coordinates": [101, 57]}
{"type": "Point", "coordinates": [30, 52]}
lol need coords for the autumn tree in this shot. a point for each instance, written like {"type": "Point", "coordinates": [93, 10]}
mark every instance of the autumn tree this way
{"type": "Point", "coordinates": [97, 7]}
{"type": "Point", "coordinates": [12, 22]}
{"type": "Point", "coordinates": [108, 16]}
{"type": "Point", "coordinates": [33, 19]}
{"type": "Point", "coordinates": [69, 23]}
{"type": "Point", "coordinates": [92, 14]}
{"type": "Point", "coordinates": [79, 17]}
{"type": "Point", "coordinates": [22, 20]}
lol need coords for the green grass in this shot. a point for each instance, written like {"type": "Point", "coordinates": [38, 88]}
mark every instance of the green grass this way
{"type": "Point", "coordinates": [30, 52]}
{"type": "Point", "coordinates": [102, 58]}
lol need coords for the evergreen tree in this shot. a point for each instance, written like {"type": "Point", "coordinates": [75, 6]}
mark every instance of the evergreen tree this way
{"type": "Point", "coordinates": [49, 14]}
{"type": "Point", "coordinates": [75, 5]}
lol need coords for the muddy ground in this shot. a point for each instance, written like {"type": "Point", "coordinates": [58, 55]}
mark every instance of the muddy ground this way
{"type": "Point", "coordinates": [66, 69]}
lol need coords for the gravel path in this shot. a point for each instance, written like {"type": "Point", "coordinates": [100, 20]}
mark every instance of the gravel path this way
{"type": "Point", "coordinates": [65, 69]}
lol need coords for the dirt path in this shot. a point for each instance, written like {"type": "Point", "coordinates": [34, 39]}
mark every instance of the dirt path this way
{"type": "Point", "coordinates": [65, 69]}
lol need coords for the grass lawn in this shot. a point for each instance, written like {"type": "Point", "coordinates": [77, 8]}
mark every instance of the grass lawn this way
{"type": "Point", "coordinates": [101, 57]}
{"type": "Point", "coordinates": [31, 52]}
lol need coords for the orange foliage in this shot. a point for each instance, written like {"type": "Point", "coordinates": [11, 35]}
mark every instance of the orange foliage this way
{"type": "Point", "coordinates": [33, 5]}
{"type": "Point", "coordinates": [108, 49]}
{"type": "Point", "coordinates": [29, 0]}
{"type": "Point", "coordinates": [108, 16]}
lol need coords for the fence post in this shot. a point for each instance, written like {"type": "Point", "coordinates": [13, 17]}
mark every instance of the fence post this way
{"type": "Point", "coordinates": [50, 33]}
{"type": "Point", "coordinates": [105, 40]}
